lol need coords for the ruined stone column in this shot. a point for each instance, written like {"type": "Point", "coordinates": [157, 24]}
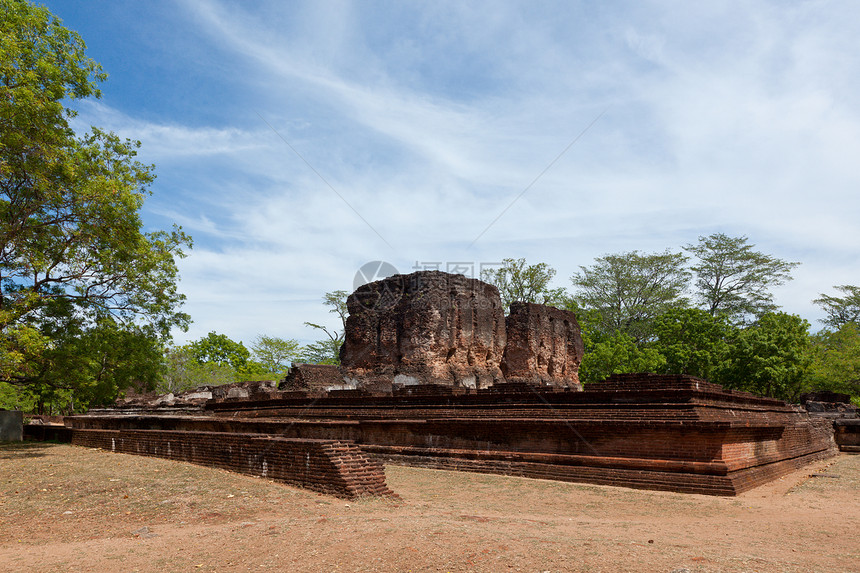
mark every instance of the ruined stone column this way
{"type": "Point", "coordinates": [544, 346]}
{"type": "Point", "coordinates": [428, 327]}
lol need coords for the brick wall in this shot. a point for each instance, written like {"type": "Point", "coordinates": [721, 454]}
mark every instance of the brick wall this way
{"type": "Point", "coordinates": [334, 467]}
{"type": "Point", "coordinates": [675, 433]}
{"type": "Point", "coordinates": [848, 434]}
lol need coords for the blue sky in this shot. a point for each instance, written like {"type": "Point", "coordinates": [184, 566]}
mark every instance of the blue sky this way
{"type": "Point", "coordinates": [419, 123]}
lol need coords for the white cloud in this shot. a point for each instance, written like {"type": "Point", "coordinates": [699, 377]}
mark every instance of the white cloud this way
{"type": "Point", "coordinates": [168, 141]}
{"type": "Point", "coordinates": [741, 118]}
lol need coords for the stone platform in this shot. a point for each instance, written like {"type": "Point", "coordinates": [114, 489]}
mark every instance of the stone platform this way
{"type": "Point", "coordinates": [674, 433]}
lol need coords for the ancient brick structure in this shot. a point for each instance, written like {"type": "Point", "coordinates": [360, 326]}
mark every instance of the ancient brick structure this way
{"type": "Point", "coordinates": [674, 433]}
{"type": "Point", "coordinates": [256, 389]}
{"type": "Point", "coordinates": [193, 399]}
{"type": "Point", "coordinates": [847, 434]}
{"type": "Point", "coordinates": [312, 378]}
{"type": "Point", "coordinates": [433, 375]}
{"type": "Point", "coordinates": [544, 346]}
{"type": "Point", "coordinates": [330, 466]}
{"type": "Point", "coordinates": [425, 328]}
{"type": "Point", "coordinates": [839, 409]}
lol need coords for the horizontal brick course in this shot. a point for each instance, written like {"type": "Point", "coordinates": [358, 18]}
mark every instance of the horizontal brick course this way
{"type": "Point", "coordinates": [334, 467]}
{"type": "Point", "coordinates": [674, 433]}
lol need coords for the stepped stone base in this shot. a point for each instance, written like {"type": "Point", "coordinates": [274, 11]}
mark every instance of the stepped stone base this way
{"type": "Point", "coordinates": [673, 433]}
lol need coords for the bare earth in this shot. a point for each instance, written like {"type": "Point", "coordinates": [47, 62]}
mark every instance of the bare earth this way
{"type": "Point", "coordinates": [66, 508]}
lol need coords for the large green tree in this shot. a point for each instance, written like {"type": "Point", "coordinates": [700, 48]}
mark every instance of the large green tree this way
{"type": "Point", "coordinates": [519, 282]}
{"type": "Point", "coordinates": [835, 361]}
{"type": "Point", "coordinates": [629, 290]}
{"type": "Point", "coordinates": [771, 357]}
{"type": "Point", "coordinates": [276, 354]}
{"type": "Point", "coordinates": [86, 363]}
{"type": "Point", "coordinates": [71, 236]}
{"type": "Point", "coordinates": [221, 350]}
{"type": "Point", "coordinates": [96, 362]}
{"type": "Point", "coordinates": [841, 309]}
{"type": "Point", "coordinates": [693, 342]}
{"type": "Point", "coordinates": [735, 280]}
{"type": "Point", "coordinates": [617, 353]}
{"type": "Point", "coordinates": [184, 372]}
{"type": "Point", "coordinates": [323, 351]}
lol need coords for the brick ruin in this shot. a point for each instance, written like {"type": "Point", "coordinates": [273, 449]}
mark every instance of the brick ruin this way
{"type": "Point", "coordinates": [335, 467]}
{"type": "Point", "coordinates": [837, 408]}
{"type": "Point", "coordinates": [543, 347]}
{"type": "Point", "coordinates": [433, 375]}
{"type": "Point", "coordinates": [435, 328]}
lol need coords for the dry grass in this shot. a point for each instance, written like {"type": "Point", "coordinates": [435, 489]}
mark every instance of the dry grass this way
{"type": "Point", "coordinates": [70, 508]}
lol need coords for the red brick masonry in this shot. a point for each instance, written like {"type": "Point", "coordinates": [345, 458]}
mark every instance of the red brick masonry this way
{"type": "Point", "coordinates": [329, 466]}
{"type": "Point", "coordinates": [674, 433]}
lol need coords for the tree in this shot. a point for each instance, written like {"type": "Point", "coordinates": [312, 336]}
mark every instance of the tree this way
{"type": "Point", "coordinates": [21, 347]}
{"type": "Point", "coordinates": [219, 349]}
{"type": "Point", "coordinates": [71, 238]}
{"type": "Point", "coordinates": [841, 310]}
{"type": "Point", "coordinates": [98, 362]}
{"type": "Point", "coordinates": [629, 290]}
{"type": "Point", "coordinates": [88, 364]}
{"type": "Point", "coordinates": [212, 360]}
{"type": "Point", "coordinates": [771, 357]}
{"type": "Point", "coordinates": [734, 280]}
{"type": "Point", "coordinates": [183, 372]}
{"type": "Point", "coordinates": [327, 350]}
{"type": "Point", "coordinates": [617, 354]}
{"type": "Point", "coordinates": [276, 354]}
{"type": "Point", "coordinates": [835, 361]}
{"type": "Point", "coordinates": [518, 282]}
{"type": "Point", "coordinates": [692, 342]}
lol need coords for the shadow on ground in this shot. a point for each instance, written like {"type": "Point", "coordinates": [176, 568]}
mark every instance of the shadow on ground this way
{"type": "Point", "coordinates": [18, 450]}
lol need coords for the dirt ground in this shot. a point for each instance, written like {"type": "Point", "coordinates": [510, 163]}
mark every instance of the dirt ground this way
{"type": "Point", "coordinates": [67, 508]}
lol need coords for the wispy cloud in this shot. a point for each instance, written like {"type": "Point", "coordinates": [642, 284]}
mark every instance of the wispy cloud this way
{"type": "Point", "coordinates": [429, 119]}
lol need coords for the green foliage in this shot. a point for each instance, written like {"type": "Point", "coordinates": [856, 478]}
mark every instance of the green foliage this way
{"type": "Point", "coordinates": [98, 362]}
{"type": "Point", "coordinates": [274, 354]}
{"type": "Point", "coordinates": [41, 64]}
{"type": "Point", "coordinates": [88, 364]}
{"type": "Point", "coordinates": [14, 397]}
{"type": "Point", "coordinates": [835, 361]}
{"type": "Point", "coordinates": [21, 346]}
{"type": "Point", "coordinates": [692, 342]}
{"type": "Point", "coordinates": [220, 350]}
{"type": "Point", "coordinates": [213, 360]}
{"type": "Point", "coordinates": [617, 353]}
{"type": "Point", "coordinates": [327, 350]}
{"type": "Point", "coordinates": [336, 301]}
{"type": "Point", "coordinates": [183, 372]}
{"type": "Point", "coordinates": [770, 357]}
{"type": "Point", "coordinates": [518, 282]}
{"type": "Point", "coordinates": [734, 280]}
{"type": "Point", "coordinates": [841, 310]}
{"type": "Point", "coordinates": [629, 290]}
{"type": "Point", "coordinates": [77, 272]}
